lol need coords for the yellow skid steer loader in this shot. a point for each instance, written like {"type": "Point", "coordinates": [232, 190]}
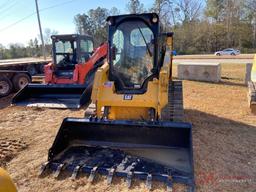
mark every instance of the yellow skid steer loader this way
{"type": "Point", "coordinates": [137, 130]}
{"type": "Point", "coordinates": [252, 88]}
{"type": "Point", "coordinates": [6, 183]}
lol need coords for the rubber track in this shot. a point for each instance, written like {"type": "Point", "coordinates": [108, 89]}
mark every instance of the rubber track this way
{"type": "Point", "coordinates": [174, 111]}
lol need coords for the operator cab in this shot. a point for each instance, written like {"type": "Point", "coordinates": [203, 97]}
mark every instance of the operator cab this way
{"type": "Point", "coordinates": [133, 41]}
{"type": "Point", "coordinates": [69, 50]}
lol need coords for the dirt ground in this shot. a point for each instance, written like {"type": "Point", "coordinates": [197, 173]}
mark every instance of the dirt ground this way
{"type": "Point", "coordinates": [224, 135]}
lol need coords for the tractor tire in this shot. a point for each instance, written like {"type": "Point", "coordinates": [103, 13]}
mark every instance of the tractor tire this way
{"type": "Point", "coordinates": [41, 69]}
{"type": "Point", "coordinates": [31, 69]}
{"type": "Point", "coordinates": [20, 80]}
{"type": "Point", "coordinates": [174, 110]}
{"type": "Point", "coordinates": [5, 86]}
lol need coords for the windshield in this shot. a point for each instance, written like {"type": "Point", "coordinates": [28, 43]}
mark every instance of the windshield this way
{"type": "Point", "coordinates": [65, 52]}
{"type": "Point", "coordinates": [133, 45]}
{"type": "Point", "coordinates": [86, 46]}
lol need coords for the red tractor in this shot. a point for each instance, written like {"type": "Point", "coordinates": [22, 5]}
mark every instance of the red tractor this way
{"type": "Point", "coordinates": [69, 77]}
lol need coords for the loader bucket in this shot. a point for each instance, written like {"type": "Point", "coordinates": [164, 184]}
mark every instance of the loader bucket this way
{"type": "Point", "coordinates": [53, 96]}
{"type": "Point", "coordinates": [146, 150]}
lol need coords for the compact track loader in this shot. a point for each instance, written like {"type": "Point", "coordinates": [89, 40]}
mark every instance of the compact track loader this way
{"type": "Point", "coordinates": [68, 78]}
{"type": "Point", "coordinates": [137, 130]}
{"type": "Point", "coordinates": [252, 88]}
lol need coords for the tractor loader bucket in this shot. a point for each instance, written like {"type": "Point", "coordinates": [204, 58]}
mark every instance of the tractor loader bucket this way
{"type": "Point", "coordinates": [53, 96]}
{"type": "Point", "coordinates": [145, 150]}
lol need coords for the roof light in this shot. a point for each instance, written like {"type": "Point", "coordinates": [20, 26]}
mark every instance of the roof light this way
{"type": "Point", "coordinates": [154, 19]}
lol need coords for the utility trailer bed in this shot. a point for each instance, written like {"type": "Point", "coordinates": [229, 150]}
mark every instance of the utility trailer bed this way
{"type": "Point", "coordinates": [32, 65]}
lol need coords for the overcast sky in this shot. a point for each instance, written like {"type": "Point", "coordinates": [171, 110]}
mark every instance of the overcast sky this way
{"type": "Point", "coordinates": [18, 21]}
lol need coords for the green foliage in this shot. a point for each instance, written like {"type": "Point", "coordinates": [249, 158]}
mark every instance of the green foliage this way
{"type": "Point", "coordinates": [94, 23]}
{"type": "Point", "coordinates": [214, 9]}
{"type": "Point", "coordinates": [197, 28]}
{"type": "Point", "coordinates": [222, 24]}
{"type": "Point", "coordinates": [203, 26]}
{"type": "Point", "coordinates": [16, 50]}
{"type": "Point", "coordinates": [135, 6]}
{"type": "Point", "coordinates": [83, 24]}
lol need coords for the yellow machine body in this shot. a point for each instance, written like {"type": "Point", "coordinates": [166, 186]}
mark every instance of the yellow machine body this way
{"type": "Point", "coordinates": [138, 106]}
{"type": "Point", "coordinates": [253, 72]}
{"type": "Point", "coordinates": [6, 184]}
{"type": "Point", "coordinates": [252, 88]}
{"type": "Point", "coordinates": [137, 130]}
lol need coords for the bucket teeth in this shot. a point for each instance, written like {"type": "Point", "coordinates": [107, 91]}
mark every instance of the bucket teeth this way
{"type": "Point", "coordinates": [169, 188]}
{"type": "Point", "coordinates": [131, 166]}
{"type": "Point", "coordinates": [121, 166]}
{"type": "Point", "coordinates": [149, 182]}
{"type": "Point", "coordinates": [191, 189]}
{"type": "Point", "coordinates": [44, 167]}
{"type": "Point", "coordinates": [129, 179]}
{"type": "Point", "coordinates": [110, 176]}
{"type": "Point", "coordinates": [57, 172]}
{"type": "Point", "coordinates": [92, 174]}
{"type": "Point", "coordinates": [75, 172]}
{"type": "Point", "coordinates": [113, 162]}
{"type": "Point", "coordinates": [169, 184]}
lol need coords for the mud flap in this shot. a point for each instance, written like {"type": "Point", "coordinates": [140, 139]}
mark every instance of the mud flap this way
{"type": "Point", "coordinates": [146, 150]}
{"type": "Point", "coordinates": [53, 96]}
